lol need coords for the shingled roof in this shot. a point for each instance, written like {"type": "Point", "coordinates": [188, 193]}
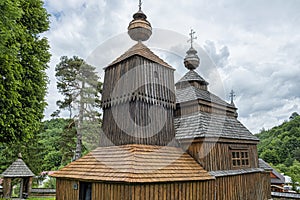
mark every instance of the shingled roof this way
{"type": "Point", "coordinates": [135, 163]}
{"type": "Point", "coordinates": [141, 50]}
{"type": "Point", "coordinates": [192, 93]}
{"type": "Point", "coordinates": [279, 178]}
{"type": "Point", "coordinates": [17, 169]}
{"type": "Point", "coordinates": [191, 75]}
{"type": "Point", "coordinates": [202, 124]}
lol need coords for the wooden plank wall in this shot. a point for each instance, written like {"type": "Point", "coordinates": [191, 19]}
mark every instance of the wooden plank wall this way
{"type": "Point", "coordinates": [7, 187]}
{"type": "Point", "coordinates": [142, 128]}
{"type": "Point", "coordinates": [138, 76]}
{"type": "Point", "coordinates": [149, 86]}
{"type": "Point", "coordinates": [158, 191]}
{"type": "Point", "coordinates": [208, 107]}
{"type": "Point", "coordinates": [65, 190]}
{"type": "Point", "coordinates": [254, 186]}
{"type": "Point", "coordinates": [217, 156]}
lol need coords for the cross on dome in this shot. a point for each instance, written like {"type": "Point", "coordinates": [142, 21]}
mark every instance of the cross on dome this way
{"type": "Point", "coordinates": [192, 34]}
{"type": "Point", "coordinates": [232, 95]}
{"type": "Point", "coordinates": [140, 4]}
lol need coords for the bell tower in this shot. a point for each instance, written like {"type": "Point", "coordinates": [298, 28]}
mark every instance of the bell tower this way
{"type": "Point", "coordinates": [138, 94]}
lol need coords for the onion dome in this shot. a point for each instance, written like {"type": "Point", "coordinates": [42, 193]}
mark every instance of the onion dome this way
{"type": "Point", "coordinates": [139, 28]}
{"type": "Point", "coordinates": [191, 60]}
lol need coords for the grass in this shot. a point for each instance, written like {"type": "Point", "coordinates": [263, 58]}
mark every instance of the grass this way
{"type": "Point", "coordinates": [37, 198]}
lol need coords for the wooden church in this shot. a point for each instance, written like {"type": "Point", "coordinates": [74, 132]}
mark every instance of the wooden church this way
{"type": "Point", "coordinates": [162, 142]}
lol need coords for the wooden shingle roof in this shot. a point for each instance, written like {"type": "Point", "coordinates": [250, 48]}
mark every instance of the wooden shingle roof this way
{"type": "Point", "coordinates": [221, 173]}
{"type": "Point", "coordinates": [17, 169]}
{"type": "Point", "coordinates": [202, 124]}
{"type": "Point", "coordinates": [285, 195]}
{"type": "Point", "coordinates": [193, 93]}
{"type": "Point", "coordinates": [279, 178]}
{"type": "Point", "coordinates": [191, 75]}
{"type": "Point", "coordinates": [135, 164]}
{"type": "Point", "coordinates": [141, 50]}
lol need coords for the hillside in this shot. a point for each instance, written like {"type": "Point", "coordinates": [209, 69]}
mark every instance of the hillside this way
{"type": "Point", "coordinates": [280, 146]}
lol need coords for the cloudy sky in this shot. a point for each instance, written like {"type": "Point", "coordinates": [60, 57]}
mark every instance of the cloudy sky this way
{"type": "Point", "coordinates": [254, 45]}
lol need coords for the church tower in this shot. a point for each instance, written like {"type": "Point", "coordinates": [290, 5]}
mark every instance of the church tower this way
{"type": "Point", "coordinates": [138, 94]}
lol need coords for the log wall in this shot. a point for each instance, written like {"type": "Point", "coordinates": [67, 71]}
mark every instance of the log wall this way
{"type": "Point", "coordinates": [215, 156]}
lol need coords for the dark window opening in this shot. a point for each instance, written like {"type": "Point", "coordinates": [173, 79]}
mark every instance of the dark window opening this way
{"type": "Point", "coordinates": [85, 191]}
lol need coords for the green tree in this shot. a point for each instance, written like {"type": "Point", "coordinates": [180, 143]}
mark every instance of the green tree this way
{"type": "Point", "coordinates": [294, 115]}
{"type": "Point", "coordinates": [280, 146]}
{"type": "Point", "coordinates": [79, 83]}
{"type": "Point", "coordinates": [270, 156]}
{"type": "Point", "coordinates": [43, 152]}
{"type": "Point", "coordinates": [49, 137]}
{"type": "Point", "coordinates": [23, 59]}
{"type": "Point", "coordinates": [32, 154]}
{"type": "Point", "coordinates": [294, 172]}
{"type": "Point", "coordinates": [67, 142]}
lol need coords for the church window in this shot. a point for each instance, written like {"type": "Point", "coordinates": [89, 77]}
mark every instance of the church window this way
{"type": "Point", "coordinates": [240, 158]}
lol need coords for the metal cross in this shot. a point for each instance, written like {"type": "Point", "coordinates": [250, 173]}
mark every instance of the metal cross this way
{"type": "Point", "coordinates": [140, 4]}
{"type": "Point", "coordinates": [232, 95]}
{"type": "Point", "coordinates": [192, 34]}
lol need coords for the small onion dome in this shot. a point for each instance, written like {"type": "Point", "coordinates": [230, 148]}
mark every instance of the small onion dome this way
{"type": "Point", "coordinates": [139, 28]}
{"type": "Point", "coordinates": [191, 60]}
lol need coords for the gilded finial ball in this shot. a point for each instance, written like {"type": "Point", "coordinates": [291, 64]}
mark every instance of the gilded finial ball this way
{"type": "Point", "coordinates": [139, 28]}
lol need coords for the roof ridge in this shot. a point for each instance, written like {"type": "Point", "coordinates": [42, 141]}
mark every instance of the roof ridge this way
{"type": "Point", "coordinates": [141, 50]}
{"type": "Point", "coordinates": [192, 75]}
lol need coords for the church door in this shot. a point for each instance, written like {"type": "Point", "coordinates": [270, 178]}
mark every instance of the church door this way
{"type": "Point", "coordinates": [85, 191]}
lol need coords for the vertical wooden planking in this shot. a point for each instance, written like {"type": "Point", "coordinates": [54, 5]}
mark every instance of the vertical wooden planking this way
{"type": "Point", "coordinates": [156, 192]}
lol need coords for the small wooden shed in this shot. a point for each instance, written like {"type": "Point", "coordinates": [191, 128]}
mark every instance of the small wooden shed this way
{"type": "Point", "coordinates": [17, 169]}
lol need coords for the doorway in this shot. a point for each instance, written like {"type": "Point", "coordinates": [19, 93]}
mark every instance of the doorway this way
{"type": "Point", "coordinates": [85, 191]}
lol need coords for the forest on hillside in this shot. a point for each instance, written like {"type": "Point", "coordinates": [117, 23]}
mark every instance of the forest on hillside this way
{"type": "Point", "coordinates": [280, 147]}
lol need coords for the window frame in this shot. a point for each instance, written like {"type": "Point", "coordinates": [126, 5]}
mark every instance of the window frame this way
{"type": "Point", "coordinates": [239, 156]}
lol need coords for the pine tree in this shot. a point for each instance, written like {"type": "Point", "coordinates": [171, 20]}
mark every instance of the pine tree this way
{"type": "Point", "coordinates": [79, 84]}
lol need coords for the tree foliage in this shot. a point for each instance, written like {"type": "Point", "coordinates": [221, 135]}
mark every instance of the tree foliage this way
{"type": "Point", "coordinates": [23, 59]}
{"type": "Point", "coordinates": [45, 152]}
{"type": "Point", "coordinates": [79, 83]}
{"type": "Point", "coordinates": [280, 146]}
